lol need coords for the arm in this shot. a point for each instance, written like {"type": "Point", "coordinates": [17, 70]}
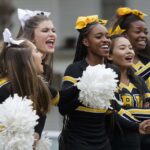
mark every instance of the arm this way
{"type": "Point", "coordinates": [69, 94]}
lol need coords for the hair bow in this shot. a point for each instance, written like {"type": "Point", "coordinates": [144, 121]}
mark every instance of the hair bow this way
{"type": "Point", "coordinates": [83, 21]}
{"type": "Point", "coordinates": [116, 31]}
{"type": "Point", "coordinates": [8, 38]}
{"type": "Point", "coordinates": [24, 15]}
{"type": "Point", "coordinates": [125, 11]}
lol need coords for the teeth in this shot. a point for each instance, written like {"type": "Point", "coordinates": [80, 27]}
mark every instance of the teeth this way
{"type": "Point", "coordinates": [104, 46]}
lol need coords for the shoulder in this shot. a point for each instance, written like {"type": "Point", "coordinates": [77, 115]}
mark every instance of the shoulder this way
{"type": "Point", "coordinates": [74, 69]}
{"type": "Point", "coordinates": [3, 81]}
{"type": "Point", "coordinates": [4, 89]}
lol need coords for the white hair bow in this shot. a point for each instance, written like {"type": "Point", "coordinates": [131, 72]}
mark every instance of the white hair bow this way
{"type": "Point", "coordinates": [24, 15]}
{"type": "Point", "coordinates": [8, 38]}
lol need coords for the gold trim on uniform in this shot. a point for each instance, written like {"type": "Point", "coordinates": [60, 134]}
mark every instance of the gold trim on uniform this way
{"type": "Point", "coordinates": [143, 69]}
{"type": "Point", "coordinates": [91, 110]}
{"type": "Point", "coordinates": [147, 95]}
{"type": "Point", "coordinates": [55, 100]}
{"type": "Point", "coordinates": [138, 65]}
{"type": "Point", "coordinates": [139, 111]}
{"type": "Point", "coordinates": [70, 79]}
{"type": "Point", "coordinates": [3, 81]}
{"type": "Point", "coordinates": [129, 87]}
{"type": "Point", "coordinates": [123, 112]}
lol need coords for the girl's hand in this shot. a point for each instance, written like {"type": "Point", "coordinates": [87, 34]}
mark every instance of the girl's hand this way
{"type": "Point", "coordinates": [144, 127]}
{"type": "Point", "coordinates": [36, 139]}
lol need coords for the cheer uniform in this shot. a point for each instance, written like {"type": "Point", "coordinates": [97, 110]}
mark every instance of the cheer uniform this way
{"type": "Point", "coordinates": [84, 127]}
{"type": "Point", "coordinates": [6, 91]}
{"type": "Point", "coordinates": [142, 69]}
{"type": "Point", "coordinates": [125, 138]}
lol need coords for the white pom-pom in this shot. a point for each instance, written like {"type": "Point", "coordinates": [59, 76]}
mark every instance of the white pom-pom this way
{"type": "Point", "coordinates": [44, 143]}
{"type": "Point", "coordinates": [18, 120]}
{"type": "Point", "coordinates": [97, 86]}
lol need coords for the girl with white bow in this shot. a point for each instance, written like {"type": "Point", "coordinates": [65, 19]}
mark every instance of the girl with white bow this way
{"type": "Point", "coordinates": [20, 69]}
{"type": "Point", "coordinates": [37, 27]}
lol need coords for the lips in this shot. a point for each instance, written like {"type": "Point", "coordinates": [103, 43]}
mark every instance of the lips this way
{"type": "Point", "coordinates": [106, 47]}
{"type": "Point", "coordinates": [142, 42]}
{"type": "Point", "coordinates": [50, 43]}
{"type": "Point", "coordinates": [129, 58]}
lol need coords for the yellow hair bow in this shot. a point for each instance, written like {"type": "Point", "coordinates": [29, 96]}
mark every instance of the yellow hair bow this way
{"type": "Point", "coordinates": [125, 11]}
{"type": "Point", "coordinates": [117, 30]}
{"type": "Point", "coordinates": [83, 21]}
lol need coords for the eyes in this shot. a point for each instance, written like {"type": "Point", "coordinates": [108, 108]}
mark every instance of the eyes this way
{"type": "Point", "coordinates": [45, 30]}
{"type": "Point", "coordinates": [99, 36]}
{"type": "Point", "coordinates": [123, 47]}
{"type": "Point", "coordinates": [141, 31]}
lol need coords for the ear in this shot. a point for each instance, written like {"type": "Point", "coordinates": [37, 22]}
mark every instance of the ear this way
{"type": "Point", "coordinates": [85, 42]}
{"type": "Point", "coordinates": [110, 58]}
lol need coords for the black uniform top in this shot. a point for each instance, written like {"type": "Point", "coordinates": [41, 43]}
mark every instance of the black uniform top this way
{"type": "Point", "coordinates": [85, 127]}
{"type": "Point", "coordinates": [123, 138]}
{"type": "Point", "coordinates": [142, 69]}
{"type": "Point", "coordinates": [5, 92]}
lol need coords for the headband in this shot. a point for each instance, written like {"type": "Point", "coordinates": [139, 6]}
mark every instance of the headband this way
{"type": "Point", "coordinates": [83, 21]}
{"type": "Point", "coordinates": [116, 31]}
{"type": "Point", "coordinates": [8, 38]}
{"type": "Point", "coordinates": [122, 11]}
{"type": "Point", "coordinates": [24, 15]}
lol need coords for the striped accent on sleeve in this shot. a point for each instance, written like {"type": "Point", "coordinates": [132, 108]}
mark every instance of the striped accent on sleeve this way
{"type": "Point", "coordinates": [70, 79]}
{"type": "Point", "coordinates": [127, 115]}
{"type": "Point", "coordinates": [56, 99]}
{"type": "Point", "coordinates": [140, 113]}
{"type": "Point", "coordinates": [3, 81]}
{"type": "Point", "coordinates": [91, 110]}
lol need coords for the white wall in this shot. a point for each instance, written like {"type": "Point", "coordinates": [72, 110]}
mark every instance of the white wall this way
{"type": "Point", "coordinates": [144, 6]}
{"type": "Point", "coordinates": [70, 10]}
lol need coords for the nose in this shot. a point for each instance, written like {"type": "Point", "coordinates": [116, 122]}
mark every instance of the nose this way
{"type": "Point", "coordinates": [130, 51]}
{"type": "Point", "coordinates": [106, 39]}
{"type": "Point", "coordinates": [143, 34]}
{"type": "Point", "coordinates": [51, 33]}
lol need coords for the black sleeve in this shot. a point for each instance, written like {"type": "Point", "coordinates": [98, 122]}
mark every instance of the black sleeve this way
{"type": "Point", "coordinates": [53, 91]}
{"type": "Point", "coordinates": [41, 123]}
{"type": "Point", "coordinates": [69, 93]}
{"type": "Point", "coordinates": [124, 123]}
{"type": "Point", "coordinates": [115, 122]}
{"type": "Point", "coordinates": [68, 100]}
{"type": "Point", "coordinates": [4, 92]}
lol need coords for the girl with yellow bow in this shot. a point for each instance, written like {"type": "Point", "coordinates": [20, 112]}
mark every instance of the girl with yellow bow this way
{"type": "Point", "coordinates": [135, 29]}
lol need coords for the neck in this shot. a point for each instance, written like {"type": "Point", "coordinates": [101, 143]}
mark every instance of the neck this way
{"type": "Point", "coordinates": [94, 61]}
{"type": "Point", "coordinates": [124, 77]}
{"type": "Point", "coordinates": [136, 59]}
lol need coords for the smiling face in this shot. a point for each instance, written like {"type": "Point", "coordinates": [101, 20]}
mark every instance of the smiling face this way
{"type": "Point", "coordinates": [137, 34]}
{"type": "Point", "coordinates": [97, 42]}
{"type": "Point", "coordinates": [122, 53]}
{"type": "Point", "coordinates": [45, 37]}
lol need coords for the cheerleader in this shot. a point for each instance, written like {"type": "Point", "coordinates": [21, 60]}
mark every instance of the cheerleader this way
{"type": "Point", "coordinates": [84, 126]}
{"type": "Point", "coordinates": [132, 91]}
{"type": "Point", "coordinates": [20, 69]}
{"type": "Point", "coordinates": [37, 27]}
{"type": "Point", "coordinates": [135, 29]}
